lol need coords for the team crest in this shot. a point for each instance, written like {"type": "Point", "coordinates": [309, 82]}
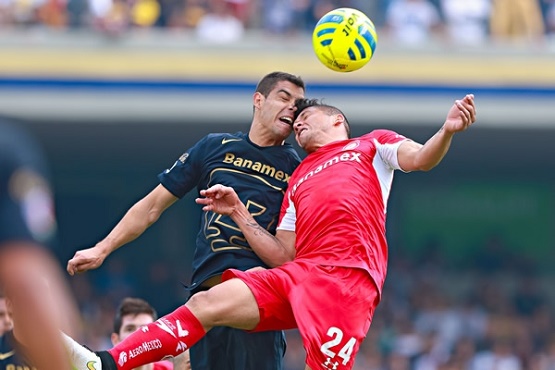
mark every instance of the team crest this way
{"type": "Point", "coordinates": [352, 145]}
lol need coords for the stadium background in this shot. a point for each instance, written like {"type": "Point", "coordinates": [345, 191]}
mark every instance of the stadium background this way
{"type": "Point", "coordinates": [113, 114]}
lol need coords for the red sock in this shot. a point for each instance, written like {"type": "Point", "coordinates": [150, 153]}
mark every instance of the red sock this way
{"type": "Point", "coordinates": [170, 335]}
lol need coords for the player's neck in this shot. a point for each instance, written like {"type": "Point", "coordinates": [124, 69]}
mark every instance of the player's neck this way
{"type": "Point", "coordinates": [264, 140]}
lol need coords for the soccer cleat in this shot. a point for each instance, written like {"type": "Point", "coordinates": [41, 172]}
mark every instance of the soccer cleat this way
{"type": "Point", "coordinates": [81, 357]}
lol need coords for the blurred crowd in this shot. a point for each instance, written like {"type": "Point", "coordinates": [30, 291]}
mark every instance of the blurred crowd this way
{"type": "Point", "coordinates": [495, 311]}
{"type": "Point", "coordinates": [407, 21]}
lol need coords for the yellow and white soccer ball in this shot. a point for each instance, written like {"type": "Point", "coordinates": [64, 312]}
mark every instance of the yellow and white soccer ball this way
{"type": "Point", "coordinates": [344, 39]}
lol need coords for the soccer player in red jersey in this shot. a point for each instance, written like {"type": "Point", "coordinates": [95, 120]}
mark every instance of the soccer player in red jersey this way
{"type": "Point", "coordinates": [329, 253]}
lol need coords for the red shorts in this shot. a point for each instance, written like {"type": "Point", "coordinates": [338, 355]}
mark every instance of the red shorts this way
{"type": "Point", "coordinates": [331, 306]}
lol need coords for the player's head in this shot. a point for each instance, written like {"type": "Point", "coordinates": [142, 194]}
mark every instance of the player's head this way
{"type": "Point", "coordinates": [317, 124]}
{"type": "Point", "coordinates": [6, 322]}
{"type": "Point", "coordinates": [269, 82]}
{"type": "Point", "coordinates": [274, 104]}
{"type": "Point", "coordinates": [132, 313]}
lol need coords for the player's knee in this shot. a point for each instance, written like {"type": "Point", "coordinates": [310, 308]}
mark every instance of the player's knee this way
{"type": "Point", "coordinates": [226, 305]}
{"type": "Point", "coordinates": [205, 306]}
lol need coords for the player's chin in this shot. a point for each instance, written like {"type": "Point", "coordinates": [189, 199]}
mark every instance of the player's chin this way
{"type": "Point", "coordinates": [285, 128]}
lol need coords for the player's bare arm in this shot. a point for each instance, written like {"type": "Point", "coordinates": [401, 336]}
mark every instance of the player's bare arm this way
{"type": "Point", "coordinates": [273, 250]}
{"type": "Point", "coordinates": [413, 156]}
{"type": "Point", "coordinates": [137, 219]}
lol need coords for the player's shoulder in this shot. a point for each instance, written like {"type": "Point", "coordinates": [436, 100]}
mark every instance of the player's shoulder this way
{"type": "Point", "coordinates": [383, 136]}
{"type": "Point", "coordinates": [225, 137]}
{"type": "Point", "coordinates": [287, 147]}
{"type": "Point", "coordinates": [6, 345]}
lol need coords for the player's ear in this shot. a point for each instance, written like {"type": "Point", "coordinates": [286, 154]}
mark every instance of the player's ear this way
{"type": "Point", "coordinates": [338, 120]}
{"type": "Point", "coordinates": [115, 338]}
{"type": "Point", "coordinates": [257, 100]}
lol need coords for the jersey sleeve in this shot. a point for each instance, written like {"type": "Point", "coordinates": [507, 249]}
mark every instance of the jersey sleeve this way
{"type": "Point", "coordinates": [185, 173]}
{"type": "Point", "coordinates": [387, 143]}
{"type": "Point", "coordinates": [288, 214]}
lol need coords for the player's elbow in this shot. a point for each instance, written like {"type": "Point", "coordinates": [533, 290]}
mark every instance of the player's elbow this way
{"type": "Point", "coordinates": [282, 258]}
{"type": "Point", "coordinates": [423, 163]}
{"type": "Point", "coordinates": [425, 167]}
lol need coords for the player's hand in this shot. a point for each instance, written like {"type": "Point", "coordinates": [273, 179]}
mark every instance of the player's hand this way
{"type": "Point", "coordinates": [84, 260]}
{"type": "Point", "coordinates": [220, 199]}
{"type": "Point", "coordinates": [461, 115]}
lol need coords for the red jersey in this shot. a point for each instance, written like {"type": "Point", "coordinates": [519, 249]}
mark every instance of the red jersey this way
{"type": "Point", "coordinates": [336, 202]}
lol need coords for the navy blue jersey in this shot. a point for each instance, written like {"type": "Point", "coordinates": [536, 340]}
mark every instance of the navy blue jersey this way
{"type": "Point", "coordinates": [9, 360]}
{"type": "Point", "coordinates": [259, 175]}
{"type": "Point", "coordinates": [26, 206]}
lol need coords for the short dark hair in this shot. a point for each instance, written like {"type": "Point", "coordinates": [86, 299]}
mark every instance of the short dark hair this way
{"type": "Point", "coordinates": [268, 82]}
{"type": "Point", "coordinates": [132, 306]}
{"type": "Point", "coordinates": [330, 110]}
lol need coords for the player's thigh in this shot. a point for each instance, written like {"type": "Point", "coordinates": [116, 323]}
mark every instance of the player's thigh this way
{"type": "Point", "coordinates": [230, 303]}
{"type": "Point", "coordinates": [234, 349]}
{"type": "Point", "coordinates": [334, 310]}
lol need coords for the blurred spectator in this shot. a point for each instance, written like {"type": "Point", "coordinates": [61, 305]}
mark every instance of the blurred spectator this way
{"type": "Point", "coordinates": [412, 22]}
{"type": "Point", "coordinates": [321, 7]}
{"type": "Point", "coordinates": [278, 16]}
{"type": "Point", "coordinates": [546, 359]}
{"type": "Point", "coordinates": [397, 361]}
{"type": "Point", "coordinates": [527, 297]}
{"type": "Point", "coordinates": [467, 20]}
{"type": "Point", "coordinates": [499, 357]}
{"type": "Point", "coordinates": [24, 12]}
{"type": "Point", "coordinates": [52, 13]}
{"type": "Point", "coordinates": [187, 14]}
{"type": "Point", "coordinates": [550, 17]}
{"type": "Point", "coordinates": [219, 25]}
{"type": "Point", "coordinates": [429, 358]}
{"type": "Point", "coordinates": [517, 20]}
{"type": "Point", "coordinates": [241, 9]}
{"type": "Point", "coordinates": [111, 17]}
{"type": "Point", "coordinates": [77, 13]}
{"type": "Point", "coordinates": [463, 353]}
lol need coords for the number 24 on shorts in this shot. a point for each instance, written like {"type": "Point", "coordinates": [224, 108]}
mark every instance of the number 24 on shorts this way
{"type": "Point", "coordinates": [337, 336]}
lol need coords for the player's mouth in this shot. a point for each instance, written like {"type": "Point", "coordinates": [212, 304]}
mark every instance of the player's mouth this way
{"type": "Point", "coordinates": [298, 132]}
{"type": "Point", "coordinates": [287, 120]}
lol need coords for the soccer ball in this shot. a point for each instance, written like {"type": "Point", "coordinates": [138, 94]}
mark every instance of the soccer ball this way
{"type": "Point", "coordinates": [344, 39]}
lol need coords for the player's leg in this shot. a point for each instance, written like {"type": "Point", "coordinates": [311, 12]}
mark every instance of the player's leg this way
{"type": "Point", "coordinates": [228, 304]}
{"type": "Point", "coordinates": [332, 332]}
{"type": "Point", "coordinates": [226, 348]}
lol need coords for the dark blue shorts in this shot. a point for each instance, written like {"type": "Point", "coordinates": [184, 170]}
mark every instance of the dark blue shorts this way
{"type": "Point", "coordinates": [225, 348]}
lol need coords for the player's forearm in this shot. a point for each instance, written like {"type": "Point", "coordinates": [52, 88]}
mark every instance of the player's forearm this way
{"type": "Point", "coordinates": [135, 222]}
{"type": "Point", "coordinates": [434, 150]}
{"type": "Point", "coordinates": [269, 248]}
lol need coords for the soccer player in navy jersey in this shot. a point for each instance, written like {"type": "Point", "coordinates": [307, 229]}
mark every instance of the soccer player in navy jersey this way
{"type": "Point", "coordinates": [258, 165]}
{"type": "Point", "coordinates": [29, 274]}
{"type": "Point", "coordinates": [329, 254]}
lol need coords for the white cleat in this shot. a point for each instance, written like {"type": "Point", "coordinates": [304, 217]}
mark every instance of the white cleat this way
{"type": "Point", "coordinates": [81, 357]}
